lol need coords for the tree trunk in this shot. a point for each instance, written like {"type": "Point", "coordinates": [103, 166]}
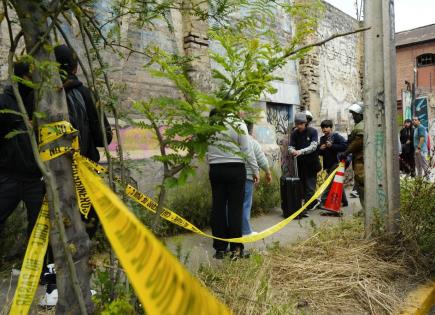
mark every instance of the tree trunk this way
{"type": "Point", "coordinates": [52, 102]}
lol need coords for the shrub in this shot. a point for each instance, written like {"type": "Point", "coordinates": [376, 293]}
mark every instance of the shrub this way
{"type": "Point", "coordinates": [417, 217]}
{"type": "Point", "coordinates": [266, 196]}
{"type": "Point", "coordinates": [193, 202]}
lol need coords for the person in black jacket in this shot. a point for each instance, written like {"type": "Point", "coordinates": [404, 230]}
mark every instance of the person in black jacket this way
{"type": "Point", "coordinates": [303, 146]}
{"type": "Point", "coordinates": [330, 145]}
{"type": "Point", "coordinates": [81, 108]}
{"type": "Point", "coordinates": [82, 115]}
{"type": "Point", "coordinates": [407, 161]}
{"type": "Point", "coordinates": [20, 177]}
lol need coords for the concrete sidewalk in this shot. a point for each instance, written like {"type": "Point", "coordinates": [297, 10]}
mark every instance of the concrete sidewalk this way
{"type": "Point", "coordinates": [200, 250]}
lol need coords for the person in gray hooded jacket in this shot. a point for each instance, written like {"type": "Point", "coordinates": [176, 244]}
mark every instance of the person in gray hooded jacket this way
{"type": "Point", "coordinates": [226, 158]}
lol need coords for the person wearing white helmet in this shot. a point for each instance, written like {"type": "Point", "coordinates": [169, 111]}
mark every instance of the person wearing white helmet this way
{"type": "Point", "coordinates": [356, 148]}
{"type": "Point", "coordinates": [309, 117]}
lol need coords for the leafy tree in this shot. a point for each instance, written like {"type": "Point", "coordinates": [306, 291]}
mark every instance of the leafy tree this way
{"type": "Point", "coordinates": [250, 51]}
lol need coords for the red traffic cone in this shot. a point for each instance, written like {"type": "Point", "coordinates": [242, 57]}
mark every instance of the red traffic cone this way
{"type": "Point", "coordinates": [333, 202]}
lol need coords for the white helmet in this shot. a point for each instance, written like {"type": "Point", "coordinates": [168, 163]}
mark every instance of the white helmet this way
{"type": "Point", "coordinates": [356, 108]}
{"type": "Point", "coordinates": [308, 114]}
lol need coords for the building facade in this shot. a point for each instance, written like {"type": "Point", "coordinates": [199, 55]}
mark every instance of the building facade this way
{"type": "Point", "coordinates": [415, 51]}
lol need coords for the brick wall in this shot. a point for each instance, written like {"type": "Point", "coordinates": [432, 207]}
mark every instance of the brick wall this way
{"type": "Point", "coordinates": [406, 58]}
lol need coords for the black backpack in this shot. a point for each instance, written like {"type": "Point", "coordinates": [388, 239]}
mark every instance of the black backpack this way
{"type": "Point", "coordinates": [78, 117]}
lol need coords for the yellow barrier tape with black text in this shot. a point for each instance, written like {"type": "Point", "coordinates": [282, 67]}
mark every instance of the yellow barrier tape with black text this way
{"type": "Point", "coordinates": [32, 264]}
{"type": "Point", "coordinates": [151, 205]}
{"type": "Point", "coordinates": [162, 284]}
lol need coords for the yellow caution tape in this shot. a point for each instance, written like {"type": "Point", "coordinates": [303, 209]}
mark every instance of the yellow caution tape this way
{"type": "Point", "coordinates": [83, 200]}
{"type": "Point", "coordinates": [162, 284]}
{"type": "Point", "coordinates": [151, 205]}
{"type": "Point", "coordinates": [53, 131]}
{"type": "Point", "coordinates": [32, 264]}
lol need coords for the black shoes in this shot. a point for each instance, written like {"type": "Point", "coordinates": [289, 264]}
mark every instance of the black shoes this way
{"type": "Point", "coordinates": [220, 254]}
{"type": "Point", "coordinates": [234, 254]}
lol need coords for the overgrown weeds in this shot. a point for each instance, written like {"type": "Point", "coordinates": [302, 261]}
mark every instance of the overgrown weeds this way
{"type": "Point", "coordinates": [418, 219]}
{"type": "Point", "coordinates": [335, 271]}
{"type": "Point", "coordinates": [193, 202]}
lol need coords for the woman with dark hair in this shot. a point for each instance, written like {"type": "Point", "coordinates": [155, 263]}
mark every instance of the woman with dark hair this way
{"type": "Point", "coordinates": [407, 161]}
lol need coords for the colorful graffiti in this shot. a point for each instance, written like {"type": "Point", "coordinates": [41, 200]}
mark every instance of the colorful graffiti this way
{"type": "Point", "coordinates": [421, 111]}
{"type": "Point", "coordinates": [137, 143]}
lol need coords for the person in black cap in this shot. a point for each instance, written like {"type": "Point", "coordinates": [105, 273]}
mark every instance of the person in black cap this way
{"type": "Point", "coordinates": [20, 177]}
{"type": "Point", "coordinates": [303, 146]}
{"type": "Point", "coordinates": [81, 108]}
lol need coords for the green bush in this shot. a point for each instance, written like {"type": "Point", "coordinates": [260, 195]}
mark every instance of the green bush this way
{"type": "Point", "coordinates": [266, 196]}
{"type": "Point", "coordinates": [193, 202]}
{"type": "Point", "coordinates": [417, 217]}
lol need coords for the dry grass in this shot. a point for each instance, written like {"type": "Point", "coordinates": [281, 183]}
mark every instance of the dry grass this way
{"type": "Point", "coordinates": [335, 271]}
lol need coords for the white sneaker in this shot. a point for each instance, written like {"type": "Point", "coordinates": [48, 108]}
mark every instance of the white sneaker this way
{"type": "Point", "coordinates": [250, 234]}
{"type": "Point", "coordinates": [354, 194]}
{"type": "Point", "coordinates": [50, 299]}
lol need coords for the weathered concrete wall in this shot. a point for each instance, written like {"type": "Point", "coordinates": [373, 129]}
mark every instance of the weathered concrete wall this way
{"type": "Point", "coordinates": [331, 75]}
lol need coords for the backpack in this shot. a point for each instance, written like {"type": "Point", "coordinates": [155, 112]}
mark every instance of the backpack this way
{"type": "Point", "coordinates": [78, 117]}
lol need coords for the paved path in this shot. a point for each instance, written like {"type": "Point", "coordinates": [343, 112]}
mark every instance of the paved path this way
{"type": "Point", "coordinates": [200, 249]}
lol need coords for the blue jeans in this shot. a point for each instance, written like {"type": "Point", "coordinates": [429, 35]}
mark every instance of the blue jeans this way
{"type": "Point", "coordinates": [247, 205]}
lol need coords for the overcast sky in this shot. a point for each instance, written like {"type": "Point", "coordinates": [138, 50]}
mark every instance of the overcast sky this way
{"type": "Point", "coordinates": [409, 13]}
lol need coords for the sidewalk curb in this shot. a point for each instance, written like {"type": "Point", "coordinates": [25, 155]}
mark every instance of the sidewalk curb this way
{"type": "Point", "coordinates": [420, 300]}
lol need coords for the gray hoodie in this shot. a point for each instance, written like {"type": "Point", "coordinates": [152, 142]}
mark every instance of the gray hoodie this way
{"type": "Point", "coordinates": [238, 148]}
{"type": "Point", "coordinates": [260, 157]}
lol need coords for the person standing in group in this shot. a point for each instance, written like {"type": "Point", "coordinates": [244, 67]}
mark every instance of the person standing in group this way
{"type": "Point", "coordinates": [330, 145]}
{"type": "Point", "coordinates": [263, 163]}
{"type": "Point", "coordinates": [420, 148]}
{"type": "Point", "coordinates": [82, 115]}
{"type": "Point", "coordinates": [407, 160]}
{"type": "Point", "coordinates": [355, 147]}
{"type": "Point", "coordinates": [20, 177]}
{"type": "Point", "coordinates": [303, 145]}
{"type": "Point", "coordinates": [227, 157]}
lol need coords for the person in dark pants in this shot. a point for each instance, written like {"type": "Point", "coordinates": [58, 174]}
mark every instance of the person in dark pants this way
{"type": "Point", "coordinates": [20, 177]}
{"type": "Point", "coordinates": [227, 177]}
{"type": "Point", "coordinates": [83, 116]}
{"type": "Point", "coordinates": [303, 145]}
{"type": "Point", "coordinates": [355, 146]}
{"type": "Point", "coordinates": [407, 161]}
{"type": "Point", "coordinates": [330, 145]}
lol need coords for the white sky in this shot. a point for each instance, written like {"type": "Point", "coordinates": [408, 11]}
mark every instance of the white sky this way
{"type": "Point", "coordinates": [409, 13]}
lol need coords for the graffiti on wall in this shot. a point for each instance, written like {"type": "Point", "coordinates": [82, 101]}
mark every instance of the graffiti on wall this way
{"type": "Point", "coordinates": [421, 111]}
{"type": "Point", "coordinates": [280, 116]}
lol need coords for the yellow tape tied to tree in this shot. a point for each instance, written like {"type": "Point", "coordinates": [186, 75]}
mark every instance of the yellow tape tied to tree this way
{"type": "Point", "coordinates": [161, 282]}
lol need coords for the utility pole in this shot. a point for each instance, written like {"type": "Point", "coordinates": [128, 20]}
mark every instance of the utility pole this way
{"type": "Point", "coordinates": [382, 182]}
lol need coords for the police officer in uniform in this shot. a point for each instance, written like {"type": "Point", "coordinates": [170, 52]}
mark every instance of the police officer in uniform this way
{"type": "Point", "coordinates": [356, 148]}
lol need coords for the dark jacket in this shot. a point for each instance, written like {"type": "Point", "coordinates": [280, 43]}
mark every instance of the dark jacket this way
{"type": "Point", "coordinates": [339, 144]}
{"type": "Point", "coordinates": [405, 135]}
{"type": "Point", "coordinates": [91, 136]}
{"type": "Point", "coordinates": [304, 141]}
{"type": "Point", "coordinates": [16, 156]}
